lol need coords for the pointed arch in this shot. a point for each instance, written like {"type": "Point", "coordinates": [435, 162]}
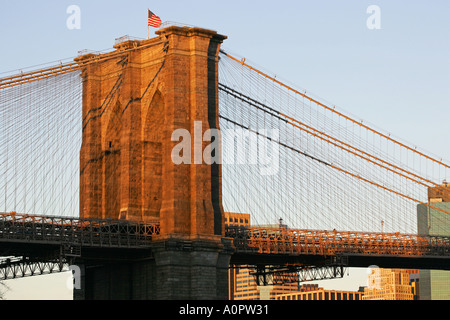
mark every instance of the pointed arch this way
{"type": "Point", "coordinates": [153, 132]}
{"type": "Point", "coordinates": [111, 164]}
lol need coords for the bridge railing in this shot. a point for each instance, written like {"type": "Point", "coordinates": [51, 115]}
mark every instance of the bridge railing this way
{"type": "Point", "coordinates": [316, 242]}
{"type": "Point", "coordinates": [75, 231]}
{"type": "Point", "coordinates": [122, 233]}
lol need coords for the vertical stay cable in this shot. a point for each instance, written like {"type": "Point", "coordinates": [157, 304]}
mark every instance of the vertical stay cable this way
{"type": "Point", "coordinates": [386, 136]}
{"type": "Point", "coordinates": [40, 138]}
{"type": "Point", "coordinates": [370, 177]}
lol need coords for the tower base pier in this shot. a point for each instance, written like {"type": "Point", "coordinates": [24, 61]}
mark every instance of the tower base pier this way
{"type": "Point", "coordinates": [176, 269]}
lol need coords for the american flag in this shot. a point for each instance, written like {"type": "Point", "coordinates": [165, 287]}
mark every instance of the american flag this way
{"type": "Point", "coordinates": [153, 20]}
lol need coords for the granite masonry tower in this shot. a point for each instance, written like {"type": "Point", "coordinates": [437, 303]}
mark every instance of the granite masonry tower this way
{"type": "Point", "coordinates": [132, 105]}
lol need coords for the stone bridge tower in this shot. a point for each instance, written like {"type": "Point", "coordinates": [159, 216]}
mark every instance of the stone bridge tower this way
{"type": "Point", "coordinates": [132, 104]}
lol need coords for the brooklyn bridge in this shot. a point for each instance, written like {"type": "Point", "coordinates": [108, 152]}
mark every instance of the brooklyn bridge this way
{"type": "Point", "coordinates": [140, 165]}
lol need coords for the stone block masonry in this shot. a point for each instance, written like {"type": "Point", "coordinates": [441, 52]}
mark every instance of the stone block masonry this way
{"type": "Point", "coordinates": [132, 103]}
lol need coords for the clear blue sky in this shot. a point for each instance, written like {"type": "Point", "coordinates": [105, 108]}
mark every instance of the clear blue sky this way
{"type": "Point", "coordinates": [397, 78]}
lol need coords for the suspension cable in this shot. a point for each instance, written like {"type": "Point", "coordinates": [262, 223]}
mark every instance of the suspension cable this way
{"type": "Point", "coordinates": [333, 110]}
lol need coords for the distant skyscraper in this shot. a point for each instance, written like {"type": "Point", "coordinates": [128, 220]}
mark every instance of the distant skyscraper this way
{"type": "Point", "coordinates": [242, 283]}
{"type": "Point", "coordinates": [435, 284]}
{"type": "Point", "coordinates": [240, 220]}
{"type": "Point", "coordinates": [391, 284]}
{"type": "Point", "coordinates": [313, 292]}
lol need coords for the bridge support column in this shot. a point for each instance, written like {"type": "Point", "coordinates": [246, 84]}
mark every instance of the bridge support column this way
{"type": "Point", "coordinates": [117, 281]}
{"type": "Point", "coordinates": [134, 107]}
{"type": "Point", "coordinates": [192, 270]}
{"type": "Point", "coordinates": [177, 270]}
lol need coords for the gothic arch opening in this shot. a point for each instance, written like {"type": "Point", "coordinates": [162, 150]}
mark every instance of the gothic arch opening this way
{"type": "Point", "coordinates": [111, 163]}
{"type": "Point", "coordinates": [152, 158]}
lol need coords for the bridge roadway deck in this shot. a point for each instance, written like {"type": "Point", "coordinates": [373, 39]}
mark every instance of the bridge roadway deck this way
{"type": "Point", "coordinates": [46, 237]}
{"type": "Point", "coordinates": [285, 246]}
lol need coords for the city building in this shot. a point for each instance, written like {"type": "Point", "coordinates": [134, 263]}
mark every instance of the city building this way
{"type": "Point", "coordinates": [391, 284]}
{"type": "Point", "coordinates": [247, 289]}
{"type": "Point", "coordinates": [241, 220]}
{"type": "Point", "coordinates": [237, 219]}
{"type": "Point", "coordinates": [242, 282]}
{"type": "Point", "coordinates": [245, 285]}
{"type": "Point", "coordinates": [435, 284]}
{"type": "Point", "coordinates": [313, 292]}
